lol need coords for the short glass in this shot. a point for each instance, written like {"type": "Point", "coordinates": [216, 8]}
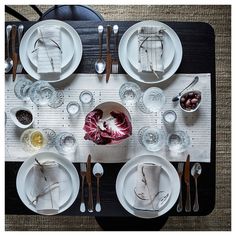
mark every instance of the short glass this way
{"type": "Point", "coordinates": [129, 93]}
{"type": "Point", "coordinates": [86, 98]}
{"type": "Point", "coordinates": [169, 117]}
{"type": "Point", "coordinates": [21, 88]}
{"type": "Point", "coordinates": [152, 100]}
{"type": "Point", "coordinates": [65, 143]}
{"type": "Point", "coordinates": [153, 139]}
{"type": "Point", "coordinates": [178, 141]}
{"type": "Point", "coordinates": [73, 108]}
{"type": "Point", "coordinates": [33, 140]}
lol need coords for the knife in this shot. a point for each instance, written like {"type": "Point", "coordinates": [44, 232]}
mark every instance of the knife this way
{"type": "Point", "coordinates": [89, 182]}
{"type": "Point", "coordinates": [187, 182]}
{"type": "Point", "coordinates": [14, 54]}
{"type": "Point", "coordinates": [20, 32]}
{"type": "Point", "coordinates": [108, 59]}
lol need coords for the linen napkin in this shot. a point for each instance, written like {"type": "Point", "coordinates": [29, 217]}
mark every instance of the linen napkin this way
{"type": "Point", "coordinates": [147, 186]}
{"type": "Point", "coordinates": [150, 49]}
{"type": "Point", "coordinates": [45, 192]}
{"type": "Point", "coordinates": [49, 55]}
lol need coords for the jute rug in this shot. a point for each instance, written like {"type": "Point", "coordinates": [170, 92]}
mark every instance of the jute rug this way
{"type": "Point", "coordinates": [220, 18]}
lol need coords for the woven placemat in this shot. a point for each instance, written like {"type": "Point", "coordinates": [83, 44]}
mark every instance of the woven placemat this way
{"type": "Point", "coordinates": [219, 16]}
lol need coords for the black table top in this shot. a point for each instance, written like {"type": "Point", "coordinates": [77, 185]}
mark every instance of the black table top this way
{"type": "Point", "coordinates": [198, 41]}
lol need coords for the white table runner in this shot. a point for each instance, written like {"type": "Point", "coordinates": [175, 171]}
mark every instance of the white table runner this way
{"type": "Point", "coordinates": [197, 125]}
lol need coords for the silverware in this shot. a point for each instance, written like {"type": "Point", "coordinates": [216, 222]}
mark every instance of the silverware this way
{"type": "Point", "coordinates": [115, 60]}
{"type": "Point", "coordinates": [14, 54]}
{"type": "Point", "coordinates": [180, 173]}
{"type": "Point", "coordinates": [83, 174]}
{"type": "Point", "coordinates": [8, 61]}
{"type": "Point", "coordinates": [195, 172]}
{"type": "Point", "coordinates": [20, 32]}
{"type": "Point", "coordinates": [108, 58]}
{"type": "Point", "coordinates": [98, 172]}
{"type": "Point", "coordinates": [177, 97]}
{"type": "Point", "coordinates": [89, 182]}
{"type": "Point", "coordinates": [187, 182]}
{"type": "Point", "coordinates": [100, 64]}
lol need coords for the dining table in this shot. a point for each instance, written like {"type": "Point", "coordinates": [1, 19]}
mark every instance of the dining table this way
{"type": "Point", "coordinates": [198, 42]}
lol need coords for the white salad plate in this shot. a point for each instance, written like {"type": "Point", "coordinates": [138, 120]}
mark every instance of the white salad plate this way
{"type": "Point", "coordinates": [148, 77]}
{"type": "Point", "coordinates": [69, 184]}
{"type": "Point", "coordinates": [169, 184]}
{"type": "Point", "coordinates": [70, 67]}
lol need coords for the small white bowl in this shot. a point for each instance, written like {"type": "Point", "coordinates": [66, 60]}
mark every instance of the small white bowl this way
{"type": "Point", "coordinates": [183, 95]}
{"type": "Point", "coordinates": [13, 112]}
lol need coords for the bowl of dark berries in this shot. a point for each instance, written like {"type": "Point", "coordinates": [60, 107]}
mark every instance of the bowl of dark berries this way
{"type": "Point", "coordinates": [190, 101]}
{"type": "Point", "coordinates": [22, 117]}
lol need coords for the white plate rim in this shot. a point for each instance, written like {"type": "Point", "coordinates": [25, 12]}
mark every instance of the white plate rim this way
{"type": "Point", "coordinates": [128, 67]}
{"type": "Point", "coordinates": [49, 156]}
{"type": "Point", "coordinates": [66, 72]}
{"type": "Point", "coordinates": [143, 159]}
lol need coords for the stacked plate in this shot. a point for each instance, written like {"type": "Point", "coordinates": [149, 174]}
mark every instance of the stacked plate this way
{"type": "Point", "coordinates": [129, 52]}
{"type": "Point", "coordinates": [68, 180]}
{"type": "Point", "coordinates": [71, 47]}
{"type": "Point", "coordinates": [169, 186]}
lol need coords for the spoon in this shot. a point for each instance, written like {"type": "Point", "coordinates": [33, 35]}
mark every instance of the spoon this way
{"type": "Point", "coordinates": [8, 61]}
{"type": "Point", "coordinates": [98, 172]}
{"type": "Point", "coordinates": [176, 98]}
{"type": "Point", "coordinates": [100, 64]}
{"type": "Point", "coordinates": [195, 172]}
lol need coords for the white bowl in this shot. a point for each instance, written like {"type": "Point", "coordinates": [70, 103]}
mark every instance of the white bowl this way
{"type": "Point", "coordinates": [16, 121]}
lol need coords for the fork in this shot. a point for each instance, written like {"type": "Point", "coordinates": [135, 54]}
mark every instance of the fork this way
{"type": "Point", "coordinates": [180, 173]}
{"type": "Point", "coordinates": [115, 60]}
{"type": "Point", "coordinates": [83, 169]}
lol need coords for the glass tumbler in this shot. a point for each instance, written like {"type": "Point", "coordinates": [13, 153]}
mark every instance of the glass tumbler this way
{"type": "Point", "coordinates": [73, 108]}
{"type": "Point", "coordinates": [178, 141]}
{"type": "Point", "coordinates": [65, 143]}
{"type": "Point", "coordinates": [21, 88]}
{"type": "Point", "coordinates": [86, 98]}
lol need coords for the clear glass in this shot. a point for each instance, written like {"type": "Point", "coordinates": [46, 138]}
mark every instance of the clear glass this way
{"type": "Point", "coordinates": [152, 100]}
{"type": "Point", "coordinates": [65, 143]}
{"type": "Point", "coordinates": [86, 97]}
{"type": "Point", "coordinates": [178, 141]}
{"type": "Point", "coordinates": [33, 140]}
{"type": "Point", "coordinates": [169, 117]}
{"type": "Point", "coordinates": [21, 88]}
{"type": "Point", "coordinates": [73, 108]}
{"type": "Point", "coordinates": [129, 93]}
{"type": "Point", "coordinates": [153, 139]}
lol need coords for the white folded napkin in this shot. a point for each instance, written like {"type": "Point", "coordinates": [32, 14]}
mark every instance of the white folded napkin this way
{"type": "Point", "coordinates": [147, 187]}
{"type": "Point", "coordinates": [150, 49]}
{"type": "Point", "coordinates": [49, 55]}
{"type": "Point", "coordinates": [45, 192]}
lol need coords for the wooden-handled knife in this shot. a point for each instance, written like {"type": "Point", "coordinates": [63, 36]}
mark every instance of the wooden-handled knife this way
{"type": "Point", "coordinates": [14, 54]}
{"type": "Point", "coordinates": [89, 182]}
{"type": "Point", "coordinates": [187, 182]}
{"type": "Point", "coordinates": [108, 58]}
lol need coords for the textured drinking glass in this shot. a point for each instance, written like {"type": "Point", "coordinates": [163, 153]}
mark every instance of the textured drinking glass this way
{"type": "Point", "coordinates": [21, 88]}
{"type": "Point", "coordinates": [169, 117]}
{"type": "Point", "coordinates": [129, 93]}
{"type": "Point", "coordinates": [65, 143]}
{"type": "Point", "coordinates": [178, 141]}
{"type": "Point", "coordinates": [153, 139]}
{"type": "Point", "coordinates": [33, 140]}
{"type": "Point", "coordinates": [152, 100]}
{"type": "Point", "coordinates": [86, 97]}
{"type": "Point", "coordinates": [73, 108]}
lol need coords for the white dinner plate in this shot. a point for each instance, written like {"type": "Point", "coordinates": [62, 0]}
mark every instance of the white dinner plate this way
{"type": "Point", "coordinates": [67, 47]}
{"type": "Point", "coordinates": [69, 187]}
{"type": "Point", "coordinates": [172, 179]}
{"type": "Point", "coordinates": [69, 68]}
{"type": "Point", "coordinates": [148, 77]}
{"type": "Point", "coordinates": [168, 50]}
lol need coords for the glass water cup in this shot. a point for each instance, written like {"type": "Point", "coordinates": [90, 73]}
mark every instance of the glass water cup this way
{"type": "Point", "coordinates": [65, 143]}
{"type": "Point", "coordinates": [153, 139]}
{"type": "Point", "coordinates": [129, 93]}
{"type": "Point", "coordinates": [21, 88]}
{"type": "Point", "coordinates": [73, 108]}
{"type": "Point", "coordinates": [152, 100]}
{"type": "Point", "coordinates": [86, 98]}
{"type": "Point", "coordinates": [169, 117]}
{"type": "Point", "coordinates": [33, 140]}
{"type": "Point", "coordinates": [178, 141]}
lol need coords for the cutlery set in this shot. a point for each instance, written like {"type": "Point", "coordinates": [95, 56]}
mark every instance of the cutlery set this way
{"type": "Point", "coordinates": [86, 173]}
{"type": "Point", "coordinates": [13, 62]}
{"type": "Point", "coordinates": [184, 169]}
{"type": "Point", "coordinates": [111, 63]}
